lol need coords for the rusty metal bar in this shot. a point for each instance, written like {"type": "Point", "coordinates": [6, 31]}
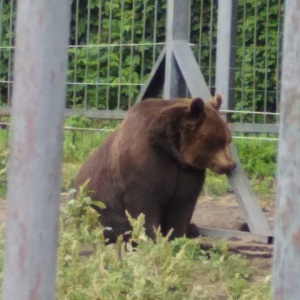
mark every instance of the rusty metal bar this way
{"type": "Point", "coordinates": [36, 144]}
{"type": "Point", "coordinates": [286, 264]}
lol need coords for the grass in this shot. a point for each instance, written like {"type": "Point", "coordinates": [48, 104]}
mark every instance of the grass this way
{"type": "Point", "coordinates": [257, 156]}
{"type": "Point", "coordinates": [159, 269]}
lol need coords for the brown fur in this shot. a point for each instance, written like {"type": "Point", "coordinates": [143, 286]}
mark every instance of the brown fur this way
{"type": "Point", "coordinates": [155, 162]}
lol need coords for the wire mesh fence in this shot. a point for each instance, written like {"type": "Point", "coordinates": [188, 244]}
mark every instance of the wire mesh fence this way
{"type": "Point", "coordinates": [258, 60]}
{"type": "Point", "coordinates": [7, 29]}
{"type": "Point", "coordinates": [114, 45]}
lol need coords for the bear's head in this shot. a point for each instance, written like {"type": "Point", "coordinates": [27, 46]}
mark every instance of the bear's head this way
{"type": "Point", "coordinates": [195, 134]}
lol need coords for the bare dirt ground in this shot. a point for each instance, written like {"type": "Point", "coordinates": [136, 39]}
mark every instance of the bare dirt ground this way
{"type": "Point", "coordinates": [224, 213]}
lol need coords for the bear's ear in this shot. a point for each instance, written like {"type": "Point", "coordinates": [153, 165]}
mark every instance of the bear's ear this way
{"type": "Point", "coordinates": [216, 101]}
{"type": "Point", "coordinates": [196, 107]}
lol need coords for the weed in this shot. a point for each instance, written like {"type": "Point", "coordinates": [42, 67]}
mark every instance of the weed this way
{"type": "Point", "coordinates": [153, 269]}
{"type": "Point", "coordinates": [69, 171]}
{"type": "Point", "coordinates": [83, 136]}
{"type": "Point", "coordinates": [215, 185]}
{"type": "Point", "coordinates": [258, 158]}
{"type": "Point", "coordinates": [3, 171]}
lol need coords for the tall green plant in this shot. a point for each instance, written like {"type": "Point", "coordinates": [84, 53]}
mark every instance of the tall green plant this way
{"type": "Point", "coordinates": [159, 269]}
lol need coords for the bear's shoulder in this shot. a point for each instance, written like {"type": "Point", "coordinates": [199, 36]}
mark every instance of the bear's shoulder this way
{"type": "Point", "coordinates": [155, 105]}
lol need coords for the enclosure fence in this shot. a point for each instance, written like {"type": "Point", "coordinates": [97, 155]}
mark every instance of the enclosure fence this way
{"type": "Point", "coordinates": [115, 44]}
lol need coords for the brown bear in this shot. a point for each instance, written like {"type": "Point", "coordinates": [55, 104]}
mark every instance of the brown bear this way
{"type": "Point", "coordinates": [155, 162]}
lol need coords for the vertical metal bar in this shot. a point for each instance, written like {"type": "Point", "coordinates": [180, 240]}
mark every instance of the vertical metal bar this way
{"type": "Point", "coordinates": [109, 49]}
{"type": "Point", "coordinates": [225, 51]}
{"type": "Point", "coordinates": [189, 19]}
{"type": "Point", "coordinates": [286, 263]}
{"type": "Point", "coordinates": [200, 34]}
{"type": "Point", "coordinates": [75, 87]}
{"type": "Point", "coordinates": [1, 26]}
{"type": "Point", "coordinates": [87, 56]}
{"type": "Point", "coordinates": [2, 97]}
{"type": "Point", "coordinates": [210, 43]}
{"type": "Point", "coordinates": [34, 174]}
{"type": "Point", "coordinates": [254, 63]}
{"type": "Point", "coordinates": [224, 84]}
{"type": "Point", "coordinates": [121, 55]}
{"type": "Point", "coordinates": [243, 71]}
{"type": "Point", "coordinates": [154, 33]}
{"type": "Point", "coordinates": [142, 74]}
{"type": "Point", "coordinates": [278, 55]}
{"type": "Point", "coordinates": [266, 60]}
{"type": "Point", "coordinates": [130, 100]}
{"type": "Point", "coordinates": [177, 29]}
{"type": "Point", "coordinates": [99, 39]}
{"type": "Point", "coordinates": [10, 54]}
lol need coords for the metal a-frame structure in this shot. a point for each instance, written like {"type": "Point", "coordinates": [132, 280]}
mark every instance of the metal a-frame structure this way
{"type": "Point", "coordinates": [176, 70]}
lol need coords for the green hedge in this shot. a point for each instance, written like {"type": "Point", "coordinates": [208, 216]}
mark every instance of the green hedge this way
{"type": "Point", "coordinates": [105, 22]}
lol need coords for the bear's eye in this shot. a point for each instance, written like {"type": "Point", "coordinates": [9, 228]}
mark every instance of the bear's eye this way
{"type": "Point", "coordinates": [217, 141]}
{"type": "Point", "coordinates": [222, 138]}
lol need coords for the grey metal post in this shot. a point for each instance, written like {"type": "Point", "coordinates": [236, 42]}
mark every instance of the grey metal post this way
{"type": "Point", "coordinates": [286, 264]}
{"type": "Point", "coordinates": [177, 29]}
{"type": "Point", "coordinates": [181, 72]}
{"type": "Point", "coordinates": [36, 148]}
{"type": "Point", "coordinates": [224, 83]}
{"type": "Point", "coordinates": [225, 51]}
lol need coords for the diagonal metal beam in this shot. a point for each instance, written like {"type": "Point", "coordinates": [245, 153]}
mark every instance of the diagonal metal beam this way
{"type": "Point", "coordinates": [246, 199]}
{"type": "Point", "coordinates": [155, 82]}
{"type": "Point", "coordinates": [238, 179]}
{"type": "Point", "coordinates": [190, 70]}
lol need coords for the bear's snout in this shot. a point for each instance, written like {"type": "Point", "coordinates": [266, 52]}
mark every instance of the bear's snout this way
{"type": "Point", "coordinates": [222, 162]}
{"type": "Point", "coordinates": [223, 169]}
{"type": "Point", "coordinates": [233, 165]}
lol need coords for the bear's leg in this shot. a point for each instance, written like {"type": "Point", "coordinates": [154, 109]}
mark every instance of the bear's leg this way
{"type": "Point", "coordinates": [177, 216]}
{"type": "Point", "coordinates": [178, 212]}
{"type": "Point", "coordinates": [115, 224]}
{"type": "Point", "coordinates": [152, 212]}
{"type": "Point", "coordinates": [193, 231]}
{"type": "Point", "coordinates": [152, 220]}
